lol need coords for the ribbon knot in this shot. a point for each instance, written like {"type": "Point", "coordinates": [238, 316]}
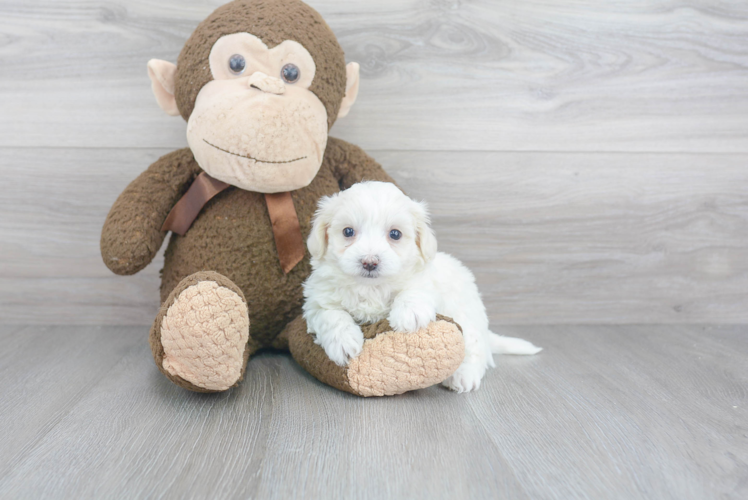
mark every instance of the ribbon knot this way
{"type": "Point", "coordinates": [289, 242]}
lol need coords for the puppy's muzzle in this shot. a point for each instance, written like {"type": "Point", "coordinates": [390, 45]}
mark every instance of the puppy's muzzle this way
{"type": "Point", "coordinates": [370, 263]}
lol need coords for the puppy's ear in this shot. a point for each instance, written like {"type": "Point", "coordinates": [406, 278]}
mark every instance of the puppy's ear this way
{"type": "Point", "coordinates": [425, 238]}
{"type": "Point", "coordinates": [317, 242]}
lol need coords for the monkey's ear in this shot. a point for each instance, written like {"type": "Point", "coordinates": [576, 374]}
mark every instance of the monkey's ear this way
{"type": "Point", "coordinates": [163, 79]}
{"type": "Point", "coordinates": [351, 88]}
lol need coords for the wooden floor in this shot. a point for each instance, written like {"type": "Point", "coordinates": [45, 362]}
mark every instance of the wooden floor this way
{"type": "Point", "coordinates": [630, 412]}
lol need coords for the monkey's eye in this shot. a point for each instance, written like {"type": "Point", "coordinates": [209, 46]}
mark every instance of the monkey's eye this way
{"type": "Point", "coordinates": [348, 232]}
{"type": "Point", "coordinates": [290, 73]}
{"type": "Point", "coordinates": [395, 234]}
{"type": "Point", "coordinates": [237, 64]}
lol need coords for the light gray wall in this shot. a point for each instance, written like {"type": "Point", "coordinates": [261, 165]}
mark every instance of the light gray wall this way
{"type": "Point", "coordinates": [588, 160]}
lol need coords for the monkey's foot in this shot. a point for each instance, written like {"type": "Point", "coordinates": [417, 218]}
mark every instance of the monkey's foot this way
{"type": "Point", "coordinates": [200, 339]}
{"type": "Point", "coordinates": [390, 362]}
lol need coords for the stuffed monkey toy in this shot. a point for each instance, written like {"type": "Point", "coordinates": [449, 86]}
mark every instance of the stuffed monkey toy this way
{"type": "Point", "coordinates": [260, 83]}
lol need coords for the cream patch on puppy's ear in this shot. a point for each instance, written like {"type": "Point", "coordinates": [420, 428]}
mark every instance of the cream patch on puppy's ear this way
{"type": "Point", "coordinates": [317, 242]}
{"type": "Point", "coordinates": [425, 238]}
{"type": "Point", "coordinates": [351, 88]}
{"type": "Point", "coordinates": [163, 79]}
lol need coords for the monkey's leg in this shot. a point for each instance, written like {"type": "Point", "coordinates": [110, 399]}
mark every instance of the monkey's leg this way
{"type": "Point", "coordinates": [390, 362]}
{"type": "Point", "coordinates": [200, 338]}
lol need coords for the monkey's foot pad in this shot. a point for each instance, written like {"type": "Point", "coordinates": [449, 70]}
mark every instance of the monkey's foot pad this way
{"type": "Point", "coordinates": [204, 333]}
{"type": "Point", "coordinates": [390, 362]}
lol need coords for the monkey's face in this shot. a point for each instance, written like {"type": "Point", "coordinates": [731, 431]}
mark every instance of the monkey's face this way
{"type": "Point", "coordinates": [258, 106]}
{"type": "Point", "coordinates": [257, 125]}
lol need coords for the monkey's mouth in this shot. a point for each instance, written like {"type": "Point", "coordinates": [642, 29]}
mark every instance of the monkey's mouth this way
{"type": "Point", "coordinates": [251, 158]}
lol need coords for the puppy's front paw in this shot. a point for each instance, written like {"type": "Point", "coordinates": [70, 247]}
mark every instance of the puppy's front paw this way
{"type": "Point", "coordinates": [411, 317]}
{"type": "Point", "coordinates": [467, 377]}
{"type": "Point", "coordinates": [343, 344]}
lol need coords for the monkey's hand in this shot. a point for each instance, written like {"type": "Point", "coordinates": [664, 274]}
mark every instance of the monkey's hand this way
{"type": "Point", "coordinates": [132, 231]}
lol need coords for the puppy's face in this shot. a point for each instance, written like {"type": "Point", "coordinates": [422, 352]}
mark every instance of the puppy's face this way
{"type": "Point", "coordinates": [372, 231]}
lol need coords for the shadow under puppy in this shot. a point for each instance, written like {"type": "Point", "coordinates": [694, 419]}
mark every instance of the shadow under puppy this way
{"type": "Point", "coordinates": [374, 257]}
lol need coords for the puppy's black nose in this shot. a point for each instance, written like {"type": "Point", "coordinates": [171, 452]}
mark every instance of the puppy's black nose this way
{"type": "Point", "coordinates": [370, 264]}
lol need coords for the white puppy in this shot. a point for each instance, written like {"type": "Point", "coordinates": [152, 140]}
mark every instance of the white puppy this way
{"type": "Point", "coordinates": [374, 257]}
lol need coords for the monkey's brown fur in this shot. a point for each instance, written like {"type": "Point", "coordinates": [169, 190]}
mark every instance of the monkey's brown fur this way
{"type": "Point", "coordinates": [232, 235]}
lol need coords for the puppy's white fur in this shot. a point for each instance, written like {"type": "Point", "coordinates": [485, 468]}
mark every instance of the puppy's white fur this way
{"type": "Point", "coordinates": [409, 285]}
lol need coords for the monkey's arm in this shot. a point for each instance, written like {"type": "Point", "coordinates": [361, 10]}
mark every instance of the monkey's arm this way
{"type": "Point", "coordinates": [352, 165]}
{"type": "Point", "coordinates": [132, 231]}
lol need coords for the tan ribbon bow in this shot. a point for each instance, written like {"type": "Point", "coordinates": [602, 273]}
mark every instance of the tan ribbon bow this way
{"type": "Point", "coordinates": [286, 229]}
{"type": "Point", "coordinates": [289, 242]}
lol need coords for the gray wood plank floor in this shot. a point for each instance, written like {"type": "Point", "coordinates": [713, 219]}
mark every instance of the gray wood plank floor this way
{"type": "Point", "coordinates": [603, 412]}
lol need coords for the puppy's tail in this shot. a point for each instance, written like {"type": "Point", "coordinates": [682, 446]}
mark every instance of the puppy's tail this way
{"type": "Point", "coordinates": [511, 345]}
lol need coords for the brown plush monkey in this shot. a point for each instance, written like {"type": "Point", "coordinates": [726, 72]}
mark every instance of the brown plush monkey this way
{"type": "Point", "coordinates": [260, 82]}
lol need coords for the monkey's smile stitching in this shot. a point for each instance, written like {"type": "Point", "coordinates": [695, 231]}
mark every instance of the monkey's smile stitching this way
{"type": "Point", "coordinates": [250, 158]}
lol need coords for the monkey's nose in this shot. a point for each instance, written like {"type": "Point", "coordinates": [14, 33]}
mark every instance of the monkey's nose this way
{"type": "Point", "coordinates": [261, 81]}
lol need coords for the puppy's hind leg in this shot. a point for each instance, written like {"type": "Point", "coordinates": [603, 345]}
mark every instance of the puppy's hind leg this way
{"type": "Point", "coordinates": [511, 345]}
{"type": "Point", "coordinates": [479, 349]}
{"type": "Point", "coordinates": [477, 360]}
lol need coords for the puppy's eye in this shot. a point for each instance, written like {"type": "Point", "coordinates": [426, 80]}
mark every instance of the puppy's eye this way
{"type": "Point", "coordinates": [348, 232]}
{"type": "Point", "coordinates": [395, 234]}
